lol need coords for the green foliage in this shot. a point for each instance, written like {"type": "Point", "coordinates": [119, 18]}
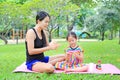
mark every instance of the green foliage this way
{"type": "Point", "coordinates": [89, 3]}
{"type": "Point", "coordinates": [20, 14]}
{"type": "Point", "coordinates": [9, 18]}
{"type": "Point", "coordinates": [83, 13]}
{"type": "Point", "coordinates": [106, 17]}
{"type": "Point", "coordinates": [9, 14]}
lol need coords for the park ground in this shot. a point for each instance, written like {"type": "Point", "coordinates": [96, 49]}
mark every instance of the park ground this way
{"type": "Point", "coordinates": [107, 51]}
{"type": "Point", "coordinates": [23, 40]}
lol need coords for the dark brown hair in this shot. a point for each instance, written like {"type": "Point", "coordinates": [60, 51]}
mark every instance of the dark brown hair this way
{"type": "Point", "coordinates": [71, 34]}
{"type": "Point", "coordinates": [41, 15]}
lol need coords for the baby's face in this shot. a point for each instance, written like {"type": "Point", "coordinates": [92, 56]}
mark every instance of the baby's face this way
{"type": "Point", "coordinates": [72, 41]}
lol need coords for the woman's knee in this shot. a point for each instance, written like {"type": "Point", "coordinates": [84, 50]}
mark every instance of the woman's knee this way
{"type": "Point", "coordinates": [49, 68]}
{"type": "Point", "coordinates": [43, 67]}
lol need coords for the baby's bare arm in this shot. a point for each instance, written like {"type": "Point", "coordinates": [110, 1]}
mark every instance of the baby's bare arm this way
{"type": "Point", "coordinates": [79, 55]}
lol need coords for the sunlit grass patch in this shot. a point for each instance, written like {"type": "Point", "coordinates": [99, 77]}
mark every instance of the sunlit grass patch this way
{"type": "Point", "coordinates": [12, 55]}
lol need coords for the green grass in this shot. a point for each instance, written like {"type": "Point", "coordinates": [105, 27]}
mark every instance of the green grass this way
{"type": "Point", "coordinates": [13, 55]}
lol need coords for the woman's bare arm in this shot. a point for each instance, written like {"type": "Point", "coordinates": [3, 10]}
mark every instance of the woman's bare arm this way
{"type": "Point", "coordinates": [30, 37]}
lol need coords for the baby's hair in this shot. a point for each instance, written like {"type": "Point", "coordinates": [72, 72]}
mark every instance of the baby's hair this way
{"type": "Point", "coordinates": [71, 34]}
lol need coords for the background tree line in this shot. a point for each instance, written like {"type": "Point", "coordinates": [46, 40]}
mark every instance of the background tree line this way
{"type": "Point", "coordinates": [100, 17]}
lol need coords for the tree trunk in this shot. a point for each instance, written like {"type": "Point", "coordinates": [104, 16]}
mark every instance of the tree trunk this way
{"type": "Point", "coordinates": [26, 29]}
{"type": "Point", "coordinates": [50, 37]}
{"type": "Point", "coordinates": [102, 36]}
{"type": "Point", "coordinates": [69, 27]}
{"type": "Point", "coordinates": [58, 31]}
{"type": "Point", "coordinates": [4, 39]}
{"type": "Point", "coordinates": [115, 34]}
{"type": "Point", "coordinates": [119, 35]}
{"type": "Point", "coordinates": [111, 35]}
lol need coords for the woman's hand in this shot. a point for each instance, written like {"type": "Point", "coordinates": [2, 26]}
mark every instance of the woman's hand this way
{"type": "Point", "coordinates": [53, 45]}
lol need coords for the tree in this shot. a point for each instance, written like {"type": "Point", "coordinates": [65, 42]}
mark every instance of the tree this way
{"type": "Point", "coordinates": [108, 17]}
{"type": "Point", "coordinates": [115, 16]}
{"type": "Point", "coordinates": [85, 10]}
{"type": "Point", "coordinates": [96, 23]}
{"type": "Point", "coordinates": [58, 9]}
{"type": "Point", "coordinates": [82, 14]}
{"type": "Point", "coordinates": [8, 16]}
{"type": "Point", "coordinates": [81, 2]}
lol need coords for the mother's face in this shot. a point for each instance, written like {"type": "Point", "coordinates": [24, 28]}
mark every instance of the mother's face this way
{"type": "Point", "coordinates": [44, 23]}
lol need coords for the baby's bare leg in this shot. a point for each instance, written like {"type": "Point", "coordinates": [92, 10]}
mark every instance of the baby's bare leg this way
{"type": "Point", "coordinates": [58, 58]}
{"type": "Point", "coordinates": [78, 69]}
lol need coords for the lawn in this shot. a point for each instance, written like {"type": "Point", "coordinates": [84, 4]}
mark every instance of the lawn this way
{"type": "Point", "coordinates": [13, 55]}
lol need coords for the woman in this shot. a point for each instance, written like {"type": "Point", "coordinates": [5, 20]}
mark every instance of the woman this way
{"type": "Point", "coordinates": [36, 44]}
